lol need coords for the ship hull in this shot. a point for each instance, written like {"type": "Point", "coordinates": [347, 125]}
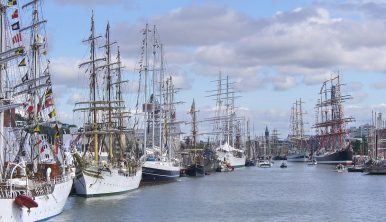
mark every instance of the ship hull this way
{"type": "Point", "coordinates": [249, 163]}
{"type": "Point", "coordinates": [376, 169]}
{"type": "Point", "coordinates": [235, 162]}
{"type": "Point", "coordinates": [196, 170]}
{"type": "Point", "coordinates": [157, 171]}
{"type": "Point", "coordinates": [210, 161]}
{"type": "Point", "coordinates": [49, 205]}
{"type": "Point", "coordinates": [341, 156]}
{"type": "Point", "coordinates": [92, 182]}
{"type": "Point", "coordinates": [297, 158]}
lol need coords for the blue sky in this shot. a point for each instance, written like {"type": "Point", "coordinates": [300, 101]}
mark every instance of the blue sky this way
{"type": "Point", "coordinates": [276, 50]}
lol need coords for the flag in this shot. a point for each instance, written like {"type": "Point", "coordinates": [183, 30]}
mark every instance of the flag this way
{"type": "Point", "coordinates": [15, 14]}
{"type": "Point", "coordinates": [19, 51]}
{"type": "Point", "coordinates": [12, 2]}
{"type": "Point", "coordinates": [37, 129]}
{"type": "Point", "coordinates": [57, 138]}
{"type": "Point", "coordinates": [56, 148]}
{"type": "Point", "coordinates": [56, 127]}
{"type": "Point", "coordinates": [16, 38]}
{"type": "Point", "coordinates": [52, 113]}
{"type": "Point", "coordinates": [48, 102]}
{"type": "Point", "coordinates": [30, 109]}
{"type": "Point", "coordinates": [22, 63]}
{"type": "Point", "coordinates": [48, 92]}
{"type": "Point", "coordinates": [24, 78]}
{"type": "Point", "coordinates": [15, 26]}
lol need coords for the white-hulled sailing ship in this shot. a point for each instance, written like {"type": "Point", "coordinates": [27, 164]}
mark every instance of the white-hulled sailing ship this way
{"type": "Point", "coordinates": [107, 163]}
{"type": "Point", "coordinates": [35, 179]}
{"type": "Point", "coordinates": [331, 125]}
{"type": "Point", "coordinates": [298, 150]}
{"type": "Point", "coordinates": [228, 128]}
{"type": "Point", "coordinates": [160, 134]}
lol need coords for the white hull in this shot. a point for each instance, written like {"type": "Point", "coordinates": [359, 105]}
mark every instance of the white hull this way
{"type": "Point", "coordinates": [90, 182]}
{"type": "Point", "coordinates": [160, 165]}
{"type": "Point", "coordinates": [48, 205]}
{"type": "Point", "coordinates": [232, 160]}
{"type": "Point", "coordinates": [264, 164]}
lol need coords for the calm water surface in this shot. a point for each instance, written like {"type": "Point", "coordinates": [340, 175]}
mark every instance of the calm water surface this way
{"type": "Point", "coordinates": [298, 193]}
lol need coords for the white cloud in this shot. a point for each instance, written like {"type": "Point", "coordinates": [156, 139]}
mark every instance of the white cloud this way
{"type": "Point", "coordinates": [282, 83]}
{"type": "Point", "coordinates": [379, 85]}
{"type": "Point", "coordinates": [65, 72]}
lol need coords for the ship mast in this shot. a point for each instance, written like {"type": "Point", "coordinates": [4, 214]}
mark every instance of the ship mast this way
{"type": "Point", "coordinates": [331, 123]}
{"type": "Point", "coordinates": [153, 92]}
{"type": "Point", "coordinates": [108, 90]}
{"type": "Point", "coordinates": [120, 101]}
{"type": "Point", "coordinates": [145, 93]}
{"type": "Point", "coordinates": [194, 129]}
{"type": "Point", "coordinates": [161, 82]}
{"type": "Point", "coordinates": [93, 89]}
{"type": "Point", "coordinates": [93, 122]}
{"type": "Point", "coordinates": [2, 96]}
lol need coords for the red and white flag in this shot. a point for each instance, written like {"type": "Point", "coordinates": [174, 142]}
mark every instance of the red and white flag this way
{"type": "Point", "coordinates": [15, 14]}
{"type": "Point", "coordinates": [16, 38]}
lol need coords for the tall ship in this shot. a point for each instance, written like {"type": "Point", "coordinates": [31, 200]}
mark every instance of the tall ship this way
{"type": "Point", "coordinates": [298, 149]}
{"type": "Point", "coordinates": [35, 179]}
{"type": "Point", "coordinates": [228, 127]}
{"type": "Point", "coordinates": [196, 167]}
{"type": "Point", "coordinates": [160, 126]}
{"type": "Point", "coordinates": [107, 160]}
{"type": "Point", "coordinates": [331, 124]}
{"type": "Point", "coordinates": [251, 148]}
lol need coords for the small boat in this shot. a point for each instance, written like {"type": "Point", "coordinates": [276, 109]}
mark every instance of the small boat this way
{"type": "Point", "coordinates": [312, 162]}
{"type": "Point", "coordinates": [249, 163]}
{"type": "Point", "coordinates": [225, 167]}
{"type": "Point", "coordinates": [183, 172]}
{"type": "Point", "coordinates": [340, 168]}
{"type": "Point", "coordinates": [376, 167]}
{"type": "Point", "coordinates": [283, 165]}
{"type": "Point", "coordinates": [264, 163]}
{"type": "Point", "coordinates": [359, 169]}
{"type": "Point", "coordinates": [25, 201]}
{"type": "Point", "coordinates": [196, 170]}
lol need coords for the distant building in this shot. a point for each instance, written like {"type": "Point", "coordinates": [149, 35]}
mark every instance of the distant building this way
{"type": "Point", "coordinates": [359, 132]}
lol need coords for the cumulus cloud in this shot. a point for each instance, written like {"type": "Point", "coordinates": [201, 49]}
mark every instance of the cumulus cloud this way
{"type": "Point", "coordinates": [65, 72]}
{"type": "Point", "coordinates": [299, 46]}
{"type": "Point", "coordinates": [308, 42]}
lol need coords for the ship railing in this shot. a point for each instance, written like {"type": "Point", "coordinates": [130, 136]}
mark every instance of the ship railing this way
{"type": "Point", "coordinates": [53, 181]}
{"type": "Point", "coordinates": [59, 179]}
{"type": "Point", "coordinates": [7, 193]}
{"type": "Point", "coordinates": [43, 189]}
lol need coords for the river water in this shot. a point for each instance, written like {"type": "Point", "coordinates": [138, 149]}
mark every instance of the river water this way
{"type": "Point", "coordinates": [297, 193]}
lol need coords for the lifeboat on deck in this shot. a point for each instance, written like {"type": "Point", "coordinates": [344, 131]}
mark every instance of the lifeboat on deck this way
{"type": "Point", "coordinates": [25, 201]}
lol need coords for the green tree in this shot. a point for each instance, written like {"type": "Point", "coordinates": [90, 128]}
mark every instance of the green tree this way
{"type": "Point", "coordinates": [356, 146]}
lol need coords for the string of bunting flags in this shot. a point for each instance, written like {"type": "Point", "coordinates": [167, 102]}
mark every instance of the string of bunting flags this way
{"type": "Point", "coordinates": [17, 39]}
{"type": "Point", "coordinates": [15, 26]}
